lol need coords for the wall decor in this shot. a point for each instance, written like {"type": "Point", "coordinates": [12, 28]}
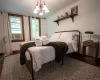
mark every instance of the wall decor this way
{"type": "Point", "coordinates": [62, 16]}
{"type": "Point", "coordinates": [58, 17]}
{"type": "Point", "coordinates": [74, 10]}
{"type": "Point", "coordinates": [66, 14]}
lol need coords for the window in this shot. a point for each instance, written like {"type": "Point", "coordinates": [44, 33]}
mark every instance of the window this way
{"type": "Point", "coordinates": [16, 27]}
{"type": "Point", "coordinates": [34, 27]}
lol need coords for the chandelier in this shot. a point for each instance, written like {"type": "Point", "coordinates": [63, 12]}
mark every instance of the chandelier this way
{"type": "Point", "coordinates": [40, 8]}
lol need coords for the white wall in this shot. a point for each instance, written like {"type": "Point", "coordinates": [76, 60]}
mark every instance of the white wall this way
{"type": "Point", "coordinates": [16, 45]}
{"type": "Point", "coordinates": [64, 25]}
{"type": "Point", "coordinates": [88, 18]}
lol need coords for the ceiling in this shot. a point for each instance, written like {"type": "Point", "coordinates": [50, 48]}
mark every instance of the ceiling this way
{"type": "Point", "coordinates": [26, 7]}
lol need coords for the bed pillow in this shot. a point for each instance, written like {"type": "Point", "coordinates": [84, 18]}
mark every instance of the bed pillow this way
{"type": "Point", "coordinates": [41, 40]}
{"type": "Point", "coordinates": [44, 37]}
{"type": "Point", "coordinates": [55, 37]}
{"type": "Point", "coordinates": [45, 40]}
{"type": "Point", "coordinates": [38, 41]}
{"type": "Point", "coordinates": [66, 37]}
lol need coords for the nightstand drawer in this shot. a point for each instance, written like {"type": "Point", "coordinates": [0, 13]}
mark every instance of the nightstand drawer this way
{"type": "Point", "coordinates": [93, 44]}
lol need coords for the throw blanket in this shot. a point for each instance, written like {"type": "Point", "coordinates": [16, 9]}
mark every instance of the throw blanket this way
{"type": "Point", "coordinates": [60, 49]}
{"type": "Point", "coordinates": [23, 49]}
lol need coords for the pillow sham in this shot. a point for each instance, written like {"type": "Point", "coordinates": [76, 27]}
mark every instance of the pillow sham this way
{"type": "Point", "coordinates": [55, 37]}
{"type": "Point", "coordinates": [66, 37]}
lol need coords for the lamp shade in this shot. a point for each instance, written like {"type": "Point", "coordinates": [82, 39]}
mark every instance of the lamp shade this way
{"type": "Point", "coordinates": [89, 32]}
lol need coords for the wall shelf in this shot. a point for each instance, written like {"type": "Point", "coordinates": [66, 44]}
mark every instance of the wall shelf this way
{"type": "Point", "coordinates": [70, 16]}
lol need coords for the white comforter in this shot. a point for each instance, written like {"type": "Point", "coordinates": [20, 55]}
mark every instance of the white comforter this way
{"type": "Point", "coordinates": [43, 54]}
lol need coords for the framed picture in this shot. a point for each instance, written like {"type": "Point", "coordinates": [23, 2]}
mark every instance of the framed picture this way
{"type": "Point", "coordinates": [74, 10]}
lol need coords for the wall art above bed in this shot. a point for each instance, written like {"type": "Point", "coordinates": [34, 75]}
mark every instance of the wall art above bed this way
{"type": "Point", "coordinates": [74, 12]}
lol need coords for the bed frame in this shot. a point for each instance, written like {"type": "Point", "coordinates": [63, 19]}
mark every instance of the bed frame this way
{"type": "Point", "coordinates": [29, 63]}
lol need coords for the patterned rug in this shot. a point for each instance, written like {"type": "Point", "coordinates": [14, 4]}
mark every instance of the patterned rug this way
{"type": "Point", "coordinates": [71, 70]}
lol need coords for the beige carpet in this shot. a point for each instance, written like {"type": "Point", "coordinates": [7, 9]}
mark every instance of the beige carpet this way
{"type": "Point", "coordinates": [71, 70]}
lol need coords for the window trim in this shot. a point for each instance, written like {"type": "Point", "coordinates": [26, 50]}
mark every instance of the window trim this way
{"type": "Point", "coordinates": [22, 20]}
{"type": "Point", "coordinates": [30, 26]}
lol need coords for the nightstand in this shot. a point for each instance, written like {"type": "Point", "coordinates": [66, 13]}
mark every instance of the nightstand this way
{"type": "Point", "coordinates": [92, 45]}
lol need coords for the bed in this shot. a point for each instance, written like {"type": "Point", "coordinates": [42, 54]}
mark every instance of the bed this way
{"type": "Point", "coordinates": [47, 53]}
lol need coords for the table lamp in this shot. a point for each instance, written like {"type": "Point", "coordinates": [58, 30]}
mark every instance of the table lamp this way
{"type": "Point", "coordinates": [90, 34]}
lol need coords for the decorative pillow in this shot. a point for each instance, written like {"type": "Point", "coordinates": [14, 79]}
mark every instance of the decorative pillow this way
{"type": "Point", "coordinates": [38, 41]}
{"type": "Point", "coordinates": [41, 40]}
{"type": "Point", "coordinates": [75, 38]}
{"type": "Point", "coordinates": [45, 40]}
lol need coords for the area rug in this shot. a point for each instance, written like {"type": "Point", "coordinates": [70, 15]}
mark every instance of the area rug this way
{"type": "Point", "coordinates": [71, 70]}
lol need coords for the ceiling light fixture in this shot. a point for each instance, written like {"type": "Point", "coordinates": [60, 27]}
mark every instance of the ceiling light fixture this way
{"type": "Point", "coordinates": [41, 8]}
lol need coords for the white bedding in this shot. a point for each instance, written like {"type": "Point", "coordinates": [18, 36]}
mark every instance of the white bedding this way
{"type": "Point", "coordinates": [44, 54]}
{"type": "Point", "coordinates": [41, 55]}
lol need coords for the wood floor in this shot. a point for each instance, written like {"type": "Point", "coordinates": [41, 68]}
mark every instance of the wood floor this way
{"type": "Point", "coordinates": [87, 59]}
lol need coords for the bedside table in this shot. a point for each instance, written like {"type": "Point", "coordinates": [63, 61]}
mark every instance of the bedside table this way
{"type": "Point", "coordinates": [93, 45]}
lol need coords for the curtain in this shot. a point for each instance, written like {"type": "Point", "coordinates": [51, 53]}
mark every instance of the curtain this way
{"type": "Point", "coordinates": [32, 38]}
{"type": "Point", "coordinates": [34, 27]}
{"type": "Point", "coordinates": [1, 35]}
{"type": "Point", "coordinates": [5, 34]}
{"type": "Point", "coordinates": [31, 28]}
